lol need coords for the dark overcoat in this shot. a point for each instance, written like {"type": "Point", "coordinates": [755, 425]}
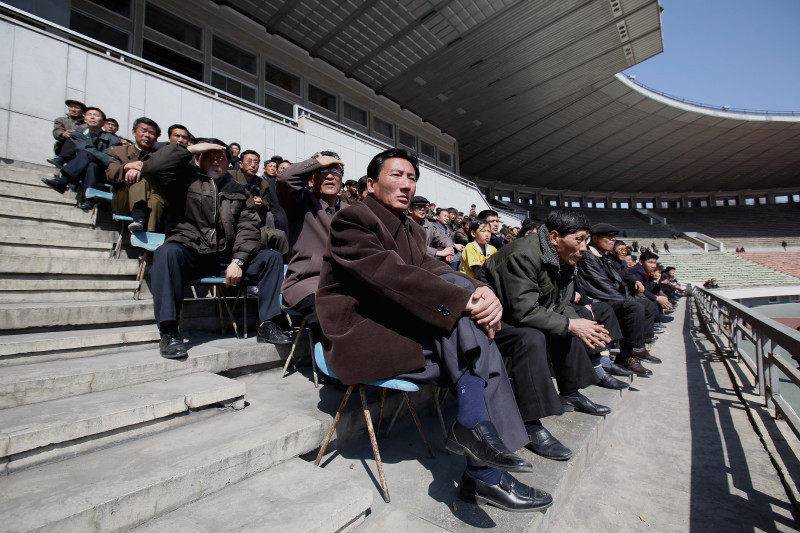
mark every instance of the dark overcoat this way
{"type": "Point", "coordinates": [380, 294]}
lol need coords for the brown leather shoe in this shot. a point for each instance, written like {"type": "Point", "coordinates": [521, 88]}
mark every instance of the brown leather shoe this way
{"type": "Point", "coordinates": [633, 364]}
{"type": "Point", "coordinates": [647, 356]}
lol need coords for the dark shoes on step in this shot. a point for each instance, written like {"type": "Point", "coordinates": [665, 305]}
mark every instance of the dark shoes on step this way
{"type": "Point", "coordinates": [55, 184]}
{"type": "Point", "coordinates": [633, 364]}
{"type": "Point", "coordinates": [269, 332]}
{"type": "Point", "coordinates": [136, 225]}
{"type": "Point", "coordinates": [616, 370]}
{"type": "Point", "coordinates": [509, 494]}
{"type": "Point", "coordinates": [644, 355]}
{"type": "Point", "coordinates": [609, 382]}
{"type": "Point", "coordinates": [545, 444]}
{"type": "Point", "coordinates": [482, 443]}
{"type": "Point", "coordinates": [172, 347]}
{"type": "Point", "coordinates": [583, 404]}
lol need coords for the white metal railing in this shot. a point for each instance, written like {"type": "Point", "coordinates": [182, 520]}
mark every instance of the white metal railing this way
{"type": "Point", "coordinates": [766, 348]}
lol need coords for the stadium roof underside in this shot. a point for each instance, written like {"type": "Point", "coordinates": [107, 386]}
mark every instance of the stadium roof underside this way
{"type": "Point", "coordinates": [529, 89]}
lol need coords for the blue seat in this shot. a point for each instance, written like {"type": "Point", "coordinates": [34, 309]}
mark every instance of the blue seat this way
{"type": "Point", "coordinates": [98, 195]}
{"type": "Point", "coordinates": [292, 313]}
{"type": "Point", "coordinates": [124, 221]}
{"type": "Point", "coordinates": [402, 385]}
{"type": "Point", "coordinates": [151, 241]}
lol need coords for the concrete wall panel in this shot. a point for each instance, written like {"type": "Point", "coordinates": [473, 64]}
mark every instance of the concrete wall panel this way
{"type": "Point", "coordinates": [162, 101]}
{"type": "Point", "coordinates": [108, 87]}
{"type": "Point", "coordinates": [6, 64]}
{"type": "Point", "coordinates": [194, 113]}
{"type": "Point", "coordinates": [4, 132]}
{"type": "Point", "coordinates": [137, 92]}
{"type": "Point", "coordinates": [76, 71]}
{"type": "Point", "coordinates": [21, 129]}
{"type": "Point", "coordinates": [38, 80]}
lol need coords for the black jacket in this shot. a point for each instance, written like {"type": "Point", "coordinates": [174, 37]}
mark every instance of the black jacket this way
{"type": "Point", "coordinates": [599, 278]}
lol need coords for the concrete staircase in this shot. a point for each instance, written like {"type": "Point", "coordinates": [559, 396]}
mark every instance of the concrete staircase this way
{"type": "Point", "coordinates": [98, 431]}
{"type": "Point", "coordinates": [730, 270]}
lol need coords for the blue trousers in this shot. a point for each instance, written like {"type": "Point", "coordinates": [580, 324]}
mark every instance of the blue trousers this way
{"type": "Point", "coordinates": [174, 263]}
{"type": "Point", "coordinates": [85, 167]}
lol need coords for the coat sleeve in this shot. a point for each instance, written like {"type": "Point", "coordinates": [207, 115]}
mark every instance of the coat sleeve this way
{"type": "Point", "coordinates": [292, 183]}
{"type": "Point", "coordinates": [59, 127]}
{"type": "Point", "coordinates": [357, 251]}
{"type": "Point", "coordinates": [115, 172]}
{"type": "Point", "coordinates": [594, 279]}
{"type": "Point", "coordinates": [521, 293]}
{"type": "Point", "coordinates": [248, 234]}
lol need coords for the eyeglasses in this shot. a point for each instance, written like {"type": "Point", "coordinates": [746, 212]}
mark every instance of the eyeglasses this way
{"type": "Point", "coordinates": [333, 170]}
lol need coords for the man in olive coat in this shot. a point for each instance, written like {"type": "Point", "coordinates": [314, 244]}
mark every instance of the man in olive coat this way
{"type": "Point", "coordinates": [387, 308]}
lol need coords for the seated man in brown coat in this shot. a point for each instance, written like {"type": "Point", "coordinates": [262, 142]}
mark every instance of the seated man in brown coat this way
{"type": "Point", "coordinates": [133, 195]}
{"type": "Point", "coordinates": [387, 308]}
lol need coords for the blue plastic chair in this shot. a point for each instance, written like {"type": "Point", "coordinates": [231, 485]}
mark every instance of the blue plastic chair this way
{"type": "Point", "coordinates": [151, 241]}
{"type": "Point", "coordinates": [292, 313]}
{"type": "Point", "coordinates": [123, 220]}
{"type": "Point", "coordinates": [401, 385]}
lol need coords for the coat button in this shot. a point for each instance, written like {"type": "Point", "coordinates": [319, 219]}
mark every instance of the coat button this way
{"type": "Point", "coordinates": [445, 312]}
{"type": "Point", "coordinates": [439, 307]}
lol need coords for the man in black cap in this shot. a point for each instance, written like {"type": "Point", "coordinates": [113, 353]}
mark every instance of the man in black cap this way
{"type": "Point", "coordinates": [437, 245]}
{"type": "Point", "coordinates": [601, 281]}
{"type": "Point", "coordinates": [212, 225]}
{"type": "Point", "coordinates": [64, 126]}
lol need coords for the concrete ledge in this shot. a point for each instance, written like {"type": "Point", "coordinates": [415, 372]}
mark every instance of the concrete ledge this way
{"type": "Point", "coordinates": [22, 316]}
{"type": "Point", "coordinates": [41, 382]}
{"type": "Point", "coordinates": [124, 486]}
{"type": "Point", "coordinates": [294, 496]}
{"type": "Point", "coordinates": [28, 427]}
{"type": "Point", "coordinates": [21, 190]}
{"type": "Point", "coordinates": [29, 344]}
{"type": "Point", "coordinates": [22, 209]}
{"type": "Point", "coordinates": [21, 264]}
{"type": "Point", "coordinates": [55, 232]}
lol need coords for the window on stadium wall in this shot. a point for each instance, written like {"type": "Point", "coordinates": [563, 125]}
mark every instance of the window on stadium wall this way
{"type": "Point", "coordinates": [172, 60]}
{"type": "Point", "coordinates": [99, 31]}
{"type": "Point", "coordinates": [279, 105]}
{"type": "Point", "coordinates": [280, 78]}
{"type": "Point", "coordinates": [233, 55]}
{"type": "Point", "coordinates": [383, 128]}
{"type": "Point", "coordinates": [445, 158]}
{"type": "Point", "coordinates": [172, 26]}
{"type": "Point", "coordinates": [322, 98]}
{"type": "Point", "coordinates": [234, 87]}
{"type": "Point", "coordinates": [121, 7]}
{"type": "Point", "coordinates": [407, 139]}
{"type": "Point", "coordinates": [356, 114]}
{"type": "Point", "coordinates": [427, 149]}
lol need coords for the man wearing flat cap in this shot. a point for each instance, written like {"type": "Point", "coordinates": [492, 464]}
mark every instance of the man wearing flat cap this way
{"type": "Point", "coordinates": [601, 281]}
{"type": "Point", "coordinates": [212, 226]}
{"type": "Point", "coordinates": [436, 243]}
{"type": "Point", "coordinates": [64, 126]}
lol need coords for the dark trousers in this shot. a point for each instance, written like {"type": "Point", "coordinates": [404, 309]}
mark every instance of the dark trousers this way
{"type": "Point", "coordinates": [530, 372]}
{"type": "Point", "coordinates": [571, 364]}
{"type": "Point", "coordinates": [603, 314]}
{"type": "Point", "coordinates": [466, 347]}
{"type": "Point", "coordinates": [631, 316]}
{"type": "Point", "coordinates": [174, 263]}
{"type": "Point", "coordinates": [85, 167]}
{"type": "Point", "coordinates": [308, 308]}
{"type": "Point", "coordinates": [650, 312]}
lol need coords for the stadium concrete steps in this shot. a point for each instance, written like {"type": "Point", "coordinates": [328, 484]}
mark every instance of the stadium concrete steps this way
{"type": "Point", "coordinates": [125, 485]}
{"type": "Point", "coordinates": [730, 270]}
{"type": "Point", "coordinates": [37, 433]}
{"type": "Point", "coordinates": [295, 495]}
{"type": "Point", "coordinates": [33, 192]}
{"type": "Point", "coordinates": [22, 348]}
{"type": "Point", "coordinates": [43, 212]}
{"type": "Point", "coordinates": [54, 234]}
{"type": "Point", "coordinates": [787, 262]}
{"type": "Point", "coordinates": [31, 383]}
{"type": "Point", "coordinates": [25, 316]}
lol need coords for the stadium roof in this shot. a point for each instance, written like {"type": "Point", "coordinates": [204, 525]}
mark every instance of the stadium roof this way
{"type": "Point", "coordinates": [528, 88]}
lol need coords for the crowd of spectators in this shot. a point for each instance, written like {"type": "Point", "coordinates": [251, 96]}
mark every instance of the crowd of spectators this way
{"type": "Point", "coordinates": [446, 295]}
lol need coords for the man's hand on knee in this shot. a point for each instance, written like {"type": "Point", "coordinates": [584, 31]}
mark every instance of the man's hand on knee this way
{"type": "Point", "coordinates": [233, 274]}
{"type": "Point", "coordinates": [592, 334]}
{"type": "Point", "coordinates": [484, 307]}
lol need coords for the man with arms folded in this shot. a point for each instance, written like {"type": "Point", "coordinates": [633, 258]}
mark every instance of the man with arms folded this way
{"type": "Point", "coordinates": [388, 309]}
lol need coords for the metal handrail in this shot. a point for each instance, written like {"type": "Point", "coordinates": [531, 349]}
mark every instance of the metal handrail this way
{"type": "Point", "coordinates": [741, 327]}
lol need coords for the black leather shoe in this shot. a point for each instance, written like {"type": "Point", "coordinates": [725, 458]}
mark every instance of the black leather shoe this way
{"type": "Point", "coordinates": [608, 382]}
{"type": "Point", "coordinates": [632, 363]}
{"type": "Point", "coordinates": [482, 443]}
{"type": "Point", "coordinates": [647, 356]}
{"type": "Point", "coordinates": [652, 339]}
{"type": "Point", "coordinates": [86, 206]}
{"type": "Point", "coordinates": [269, 332]}
{"type": "Point", "coordinates": [55, 184]}
{"type": "Point", "coordinates": [510, 494]}
{"type": "Point", "coordinates": [172, 347]}
{"type": "Point", "coordinates": [545, 444]}
{"type": "Point", "coordinates": [136, 225]}
{"type": "Point", "coordinates": [584, 405]}
{"type": "Point", "coordinates": [616, 370]}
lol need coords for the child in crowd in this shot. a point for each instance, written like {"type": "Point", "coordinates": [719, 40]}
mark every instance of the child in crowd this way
{"type": "Point", "coordinates": [478, 249]}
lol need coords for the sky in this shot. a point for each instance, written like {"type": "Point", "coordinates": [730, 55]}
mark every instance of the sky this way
{"type": "Point", "coordinates": [743, 54]}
